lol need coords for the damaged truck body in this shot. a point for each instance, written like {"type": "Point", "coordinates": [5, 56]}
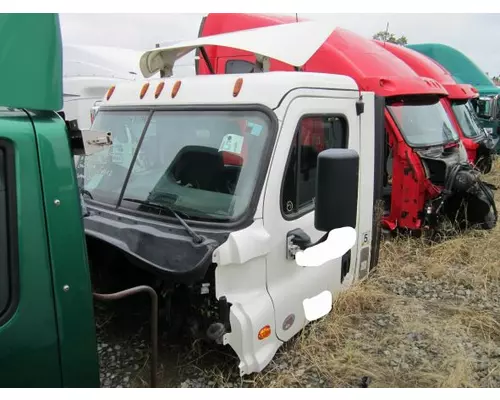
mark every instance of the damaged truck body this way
{"type": "Point", "coordinates": [478, 143]}
{"type": "Point", "coordinates": [207, 189]}
{"type": "Point", "coordinates": [428, 179]}
{"type": "Point", "coordinates": [174, 193]}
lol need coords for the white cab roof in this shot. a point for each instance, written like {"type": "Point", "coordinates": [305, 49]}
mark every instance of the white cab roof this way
{"type": "Point", "coordinates": [267, 89]}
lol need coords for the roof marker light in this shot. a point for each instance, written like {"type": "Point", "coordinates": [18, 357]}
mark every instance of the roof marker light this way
{"type": "Point", "coordinates": [237, 87]}
{"type": "Point", "coordinates": [110, 92]}
{"type": "Point", "coordinates": [159, 88]}
{"type": "Point", "coordinates": [144, 89]}
{"type": "Point", "coordinates": [176, 88]}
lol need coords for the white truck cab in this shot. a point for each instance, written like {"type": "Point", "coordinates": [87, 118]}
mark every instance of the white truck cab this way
{"type": "Point", "coordinates": [88, 72]}
{"type": "Point", "coordinates": [255, 192]}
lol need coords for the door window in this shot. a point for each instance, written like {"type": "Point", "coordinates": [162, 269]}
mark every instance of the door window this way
{"type": "Point", "coordinates": [313, 135]}
{"type": "Point", "coordinates": [7, 235]}
{"type": "Point", "coordinates": [241, 67]}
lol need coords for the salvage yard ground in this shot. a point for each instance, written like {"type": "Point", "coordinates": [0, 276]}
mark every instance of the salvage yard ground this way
{"type": "Point", "coordinates": [428, 317]}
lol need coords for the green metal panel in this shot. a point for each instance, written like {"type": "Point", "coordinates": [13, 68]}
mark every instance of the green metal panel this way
{"type": "Point", "coordinates": [68, 251]}
{"type": "Point", "coordinates": [29, 354]}
{"type": "Point", "coordinates": [488, 90]}
{"type": "Point", "coordinates": [49, 338]}
{"type": "Point", "coordinates": [464, 71]}
{"type": "Point", "coordinates": [461, 67]}
{"type": "Point", "coordinates": [31, 61]}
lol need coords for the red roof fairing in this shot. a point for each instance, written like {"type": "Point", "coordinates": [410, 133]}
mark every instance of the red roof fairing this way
{"type": "Point", "coordinates": [345, 53]}
{"type": "Point", "coordinates": [426, 67]}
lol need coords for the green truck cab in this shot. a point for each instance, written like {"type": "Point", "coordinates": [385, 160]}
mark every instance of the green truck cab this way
{"type": "Point", "coordinates": [46, 310]}
{"type": "Point", "coordinates": [464, 70]}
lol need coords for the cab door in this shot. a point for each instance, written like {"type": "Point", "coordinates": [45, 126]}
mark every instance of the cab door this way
{"type": "Point", "coordinates": [311, 124]}
{"type": "Point", "coordinates": [29, 352]}
{"type": "Point", "coordinates": [496, 129]}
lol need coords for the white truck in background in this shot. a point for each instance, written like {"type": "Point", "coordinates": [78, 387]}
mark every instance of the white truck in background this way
{"type": "Point", "coordinates": [88, 72]}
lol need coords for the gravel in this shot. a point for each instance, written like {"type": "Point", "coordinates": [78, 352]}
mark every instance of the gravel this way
{"type": "Point", "coordinates": [116, 364]}
{"type": "Point", "coordinates": [480, 352]}
{"type": "Point", "coordinates": [125, 360]}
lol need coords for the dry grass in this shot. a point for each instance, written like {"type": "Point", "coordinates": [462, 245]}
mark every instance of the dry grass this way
{"type": "Point", "coordinates": [429, 316]}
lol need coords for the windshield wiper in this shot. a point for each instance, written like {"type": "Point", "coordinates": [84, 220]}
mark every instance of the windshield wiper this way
{"type": "Point", "coordinates": [85, 192]}
{"type": "Point", "coordinates": [196, 238]}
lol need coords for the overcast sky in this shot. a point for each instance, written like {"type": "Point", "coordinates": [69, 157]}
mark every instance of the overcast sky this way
{"type": "Point", "coordinates": [477, 35]}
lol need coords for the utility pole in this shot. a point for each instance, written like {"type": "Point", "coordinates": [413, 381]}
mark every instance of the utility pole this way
{"type": "Point", "coordinates": [386, 32]}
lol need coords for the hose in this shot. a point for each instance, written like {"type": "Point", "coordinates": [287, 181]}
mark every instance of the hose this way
{"type": "Point", "coordinates": [482, 186]}
{"type": "Point", "coordinates": [448, 185]}
{"type": "Point", "coordinates": [154, 320]}
{"type": "Point", "coordinates": [484, 189]}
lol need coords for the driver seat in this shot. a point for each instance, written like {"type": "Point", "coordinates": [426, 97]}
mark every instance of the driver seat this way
{"type": "Point", "coordinates": [199, 166]}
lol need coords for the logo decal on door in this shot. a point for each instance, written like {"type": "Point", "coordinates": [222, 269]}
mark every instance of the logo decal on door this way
{"type": "Point", "coordinates": [288, 322]}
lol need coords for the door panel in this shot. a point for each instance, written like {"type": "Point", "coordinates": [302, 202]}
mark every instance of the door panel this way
{"type": "Point", "coordinates": [29, 354]}
{"type": "Point", "coordinates": [289, 284]}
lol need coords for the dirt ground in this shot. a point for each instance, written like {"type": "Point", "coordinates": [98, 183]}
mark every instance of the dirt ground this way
{"type": "Point", "coordinates": [429, 316]}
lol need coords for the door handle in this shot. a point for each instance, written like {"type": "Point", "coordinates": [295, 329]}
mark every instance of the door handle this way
{"type": "Point", "coordinates": [296, 240]}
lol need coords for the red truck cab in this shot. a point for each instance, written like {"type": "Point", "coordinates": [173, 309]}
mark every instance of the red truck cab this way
{"type": "Point", "coordinates": [478, 144]}
{"type": "Point", "coordinates": [423, 145]}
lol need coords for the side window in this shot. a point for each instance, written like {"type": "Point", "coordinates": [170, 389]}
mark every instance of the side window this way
{"type": "Point", "coordinates": [4, 250]}
{"type": "Point", "coordinates": [8, 256]}
{"type": "Point", "coordinates": [313, 135]}
{"type": "Point", "coordinates": [240, 67]}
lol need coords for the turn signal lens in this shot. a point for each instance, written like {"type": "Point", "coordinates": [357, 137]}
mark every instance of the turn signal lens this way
{"type": "Point", "coordinates": [176, 88]}
{"type": "Point", "coordinates": [144, 89]}
{"type": "Point", "coordinates": [237, 86]}
{"type": "Point", "coordinates": [110, 92]}
{"type": "Point", "coordinates": [159, 88]}
{"type": "Point", "coordinates": [264, 333]}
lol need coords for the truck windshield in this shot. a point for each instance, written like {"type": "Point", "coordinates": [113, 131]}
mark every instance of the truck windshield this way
{"type": "Point", "coordinates": [423, 125]}
{"type": "Point", "coordinates": [202, 164]}
{"type": "Point", "coordinates": [472, 111]}
{"type": "Point", "coordinates": [466, 120]}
